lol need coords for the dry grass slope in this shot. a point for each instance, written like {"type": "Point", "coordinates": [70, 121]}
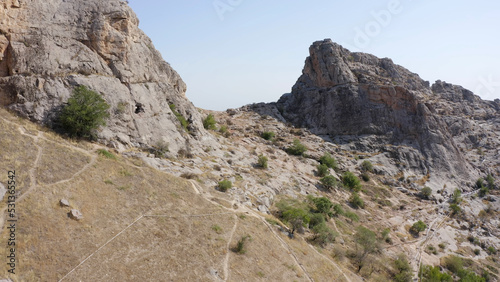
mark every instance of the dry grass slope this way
{"type": "Point", "coordinates": [173, 237]}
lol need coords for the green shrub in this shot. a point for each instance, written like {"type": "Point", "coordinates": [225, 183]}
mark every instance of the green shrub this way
{"type": "Point", "coordinates": [483, 191]}
{"type": "Point", "coordinates": [297, 149]}
{"type": "Point", "coordinates": [329, 182]}
{"type": "Point", "coordinates": [240, 246]}
{"type": "Point", "coordinates": [367, 240]}
{"type": "Point", "coordinates": [323, 206]}
{"type": "Point", "coordinates": [356, 201]}
{"type": "Point", "coordinates": [225, 185]}
{"type": "Point", "coordinates": [316, 219]}
{"type": "Point", "coordinates": [298, 218]}
{"type": "Point", "coordinates": [456, 197]}
{"type": "Point", "coordinates": [433, 273]}
{"type": "Point", "coordinates": [328, 160]}
{"type": "Point", "coordinates": [477, 252]}
{"type": "Point", "coordinates": [418, 227]}
{"type": "Point", "coordinates": [367, 166]}
{"type": "Point", "coordinates": [268, 135]}
{"type": "Point", "coordinates": [455, 209]}
{"type": "Point", "coordinates": [338, 210]}
{"type": "Point", "coordinates": [365, 176]}
{"type": "Point", "coordinates": [385, 234]}
{"type": "Point", "coordinates": [180, 118]}
{"type": "Point", "coordinates": [351, 181]}
{"type": "Point", "coordinates": [426, 192]}
{"type": "Point", "coordinates": [491, 250]}
{"type": "Point", "coordinates": [454, 264]}
{"type": "Point", "coordinates": [217, 229]}
{"type": "Point", "coordinates": [403, 269]}
{"type": "Point", "coordinates": [322, 170]}
{"type": "Point", "coordinates": [262, 162]}
{"type": "Point", "coordinates": [85, 111]}
{"type": "Point", "coordinates": [352, 216]}
{"type": "Point", "coordinates": [105, 153]}
{"type": "Point", "coordinates": [323, 235]}
{"type": "Point", "coordinates": [491, 182]}
{"type": "Point", "coordinates": [209, 122]}
{"type": "Point", "coordinates": [480, 183]}
{"type": "Point", "coordinates": [223, 129]}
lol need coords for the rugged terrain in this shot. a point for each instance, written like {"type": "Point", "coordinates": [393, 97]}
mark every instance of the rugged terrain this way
{"type": "Point", "coordinates": [374, 105]}
{"type": "Point", "coordinates": [165, 217]}
{"type": "Point", "coordinates": [48, 47]}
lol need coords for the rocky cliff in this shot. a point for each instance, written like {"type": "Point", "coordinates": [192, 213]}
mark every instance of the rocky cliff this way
{"type": "Point", "coordinates": [373, 105]}
{"type": "Point", "coordinates": [49, 47]}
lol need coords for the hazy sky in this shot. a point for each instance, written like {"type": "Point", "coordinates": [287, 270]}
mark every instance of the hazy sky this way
{"type": "Point", "coordinates": [235, 52]}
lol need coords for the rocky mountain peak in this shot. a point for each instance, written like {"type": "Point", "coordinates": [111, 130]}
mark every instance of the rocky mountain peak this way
{"type": "Point", "coordinates": [49, 47]}
{"type": "Point", "coordinates": [329, 64]}
{"type": "Point", "coordinates": [369, 104]}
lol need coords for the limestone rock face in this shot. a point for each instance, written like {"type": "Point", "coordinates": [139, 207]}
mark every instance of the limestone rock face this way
{"type": "Point", "coordinates": [373, 105]}
{"type": "Point", "coordinates": [48, 47]}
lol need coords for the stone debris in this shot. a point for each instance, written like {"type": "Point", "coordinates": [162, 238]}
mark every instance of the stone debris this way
{"type": "Point", "coordinates": [75, 214]}
{"type": "Point", "coordinates": [64, 203]}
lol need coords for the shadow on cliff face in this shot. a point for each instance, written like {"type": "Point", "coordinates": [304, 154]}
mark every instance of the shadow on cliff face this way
{"type": "Point", "coordinates": [368, 104]}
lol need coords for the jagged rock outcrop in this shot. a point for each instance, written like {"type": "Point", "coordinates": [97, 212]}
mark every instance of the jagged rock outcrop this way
{"type": "Point", "coordinates": [384, 108]}
{"type": "Point", "coordinates": [48, 47]}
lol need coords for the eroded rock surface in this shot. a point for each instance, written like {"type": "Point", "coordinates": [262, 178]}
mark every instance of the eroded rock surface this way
{"type": "Point", "coordinates": [48, 47]}
{"type": "Point", "coordinates": [373, 105]}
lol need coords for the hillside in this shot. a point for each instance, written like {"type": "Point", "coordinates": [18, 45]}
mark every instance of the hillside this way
{"type": "Point", "coordinates": [363, 172]}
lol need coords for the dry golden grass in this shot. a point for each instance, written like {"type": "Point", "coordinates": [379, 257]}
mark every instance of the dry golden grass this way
{"type": "Point", "coordinates": [265, 259]}
{"type": "Point", "coordinates": [179, 244]}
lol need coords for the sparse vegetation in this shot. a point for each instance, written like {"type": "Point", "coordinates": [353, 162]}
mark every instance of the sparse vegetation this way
{"type": "Point", "coordinates": [455, 209]}
{"type": "Point", "coordinates": [456, 197]}
{"type": "Point", "coordinates": [356, 201]}
{"type": "Point", "coordinates": [351, 181]}
{"type": "Point", "coordinates": [385, 235]}
{"type": "Point", "coordinates": [433, 273]}
{"type": "Point", "coordinates": [418, 227]}
{"type": "Point", "coordinates": [328, 161]}
{"type": "Point", "coordinates": [366, 243]}
{"type": "Point", "coordinates": [262, 162]}
{"type": "Point", "coordinates": [268, 135]}
{"type": "Point", "coordinates": [160, 150]}
{"type": "Point", "coordinates": [297, 149]}
{"type": "Point", "coordinates": [323, 234]}
{"type": "Point", "coordinates": [105, 153]}
{"type": "Point", "coordinates": [322, 170]}
{"type": "Point", "coordinates": [426, 193]}
{"type": "Point", "coordinates": [225, 185]}
{"type": "Point", "coordinates": [403, 269]}
{"type": "Point", "coordinates": [209, 122]}
{"type": "Point", "coordinates": [84, 113]}
{"type": "Point", "coordinates": [223, 130]}
{"type": "Point", "coordinates": [365, 176]}
{"type": "Point", "coordinates": [329, 182]}
{"type": "Point", "coordinates": [322, 205]}
{"type": "Point", "coordinates": [180, 118]}
{"type": "Point", "coordinates": [217, 229]}
{"type": "Point", "coordinates": [367, 166]}
{"type": "Point", "coordinates": [338, 210]}
{"type": "Point", "coordinates": [352, 216]}
{"type": "Point", "coordinates": [240, 246]}
{"type": "Point", "coordinates": [491, 182]}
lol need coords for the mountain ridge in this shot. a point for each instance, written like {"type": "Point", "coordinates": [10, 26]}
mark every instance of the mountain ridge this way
{"type": "Point", "coordinates": [165, 216]}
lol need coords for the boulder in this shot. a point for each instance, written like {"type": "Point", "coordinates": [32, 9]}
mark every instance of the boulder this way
{"type": "Point", "coordinates": [75, 214]}
{"type": "Point", "coordinates": [64, 203]}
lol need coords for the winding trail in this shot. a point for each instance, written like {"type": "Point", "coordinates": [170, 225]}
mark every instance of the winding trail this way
{"type": "Point", "coordinates": [226, 259]}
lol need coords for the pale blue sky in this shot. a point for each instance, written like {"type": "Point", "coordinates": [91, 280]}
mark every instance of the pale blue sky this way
{"type": "Point", "coordinates": [235, 52]}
